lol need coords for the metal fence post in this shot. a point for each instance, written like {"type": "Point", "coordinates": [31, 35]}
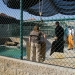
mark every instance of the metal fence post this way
{"type": "Point", "coordinates": [21, 28]}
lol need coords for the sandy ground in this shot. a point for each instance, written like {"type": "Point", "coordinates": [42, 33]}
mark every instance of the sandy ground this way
{"type": "Point", "coordinates": [66, 59]}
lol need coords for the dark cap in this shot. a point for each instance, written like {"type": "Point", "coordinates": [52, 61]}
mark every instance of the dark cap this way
{"type": "Point", "coordinates": [57, 23]}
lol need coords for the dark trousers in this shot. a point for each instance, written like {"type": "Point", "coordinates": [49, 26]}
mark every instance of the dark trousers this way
{"type": "Point", "coordinates": [57, 46]}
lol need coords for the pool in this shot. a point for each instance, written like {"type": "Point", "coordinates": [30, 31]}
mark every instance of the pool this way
{"type": "Point", "coordinates": [12, 52]}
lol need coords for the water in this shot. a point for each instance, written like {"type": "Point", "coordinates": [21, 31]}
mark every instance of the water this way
{"type": "Point", "coordinates": [11, 52]}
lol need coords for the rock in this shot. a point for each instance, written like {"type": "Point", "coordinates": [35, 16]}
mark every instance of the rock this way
{"type": "Point", "coordinates": [11, 43]}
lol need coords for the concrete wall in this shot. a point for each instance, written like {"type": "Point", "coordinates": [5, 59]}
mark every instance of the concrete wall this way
{"type": "Point", "coordinates": [10, 66]}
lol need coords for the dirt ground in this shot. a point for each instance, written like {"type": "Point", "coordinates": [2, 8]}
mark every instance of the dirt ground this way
{"type": "Point", "coordinates": [66, 59]}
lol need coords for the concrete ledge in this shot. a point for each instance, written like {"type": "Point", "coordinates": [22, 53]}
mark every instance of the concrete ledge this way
{"type": "Point", "coordinates": [10, 66]}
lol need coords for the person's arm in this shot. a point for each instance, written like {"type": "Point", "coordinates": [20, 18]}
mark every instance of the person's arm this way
{"type": "Point", "coordinates": [56, 34]}
{"type": "Point", "coordinates": [44, 37]}
{"type": "Point", "coordinates": [29, 40]}
{"type": "Point", "coordinates": [30, 37]}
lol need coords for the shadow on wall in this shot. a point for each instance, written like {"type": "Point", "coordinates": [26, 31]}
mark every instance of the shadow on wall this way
{"type": "Point", "coordinates": [48, 44]}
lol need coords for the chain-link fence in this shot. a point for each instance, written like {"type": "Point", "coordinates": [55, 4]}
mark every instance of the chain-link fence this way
{"type": "Point", "coordinates": [10, 37]}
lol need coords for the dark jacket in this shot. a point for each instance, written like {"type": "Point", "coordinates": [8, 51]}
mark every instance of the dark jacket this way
{"type": "Point", "coordinates": [59, 32]}
{"type": "Point", "coordinates": [36, 36]}
{"type": "Point", "coordinates": [58, 45]}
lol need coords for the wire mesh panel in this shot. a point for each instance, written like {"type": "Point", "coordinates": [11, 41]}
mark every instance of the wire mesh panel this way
{"type": "Point", "coordinates": [43, 13]}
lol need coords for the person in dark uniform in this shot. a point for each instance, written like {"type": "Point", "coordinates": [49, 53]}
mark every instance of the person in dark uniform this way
{"type": "Point", "coordinates": [58, 44]}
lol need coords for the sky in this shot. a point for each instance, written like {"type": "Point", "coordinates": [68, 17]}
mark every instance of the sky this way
{"type": "Point", "coordinates": [16, 13]}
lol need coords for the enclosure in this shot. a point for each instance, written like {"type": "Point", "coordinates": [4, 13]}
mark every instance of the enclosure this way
{"type": "Point", "coordinates": [14, 34]}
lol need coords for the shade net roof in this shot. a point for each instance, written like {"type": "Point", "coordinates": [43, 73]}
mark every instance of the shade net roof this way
{"type": "Point", "coordinates": [47, 7]}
